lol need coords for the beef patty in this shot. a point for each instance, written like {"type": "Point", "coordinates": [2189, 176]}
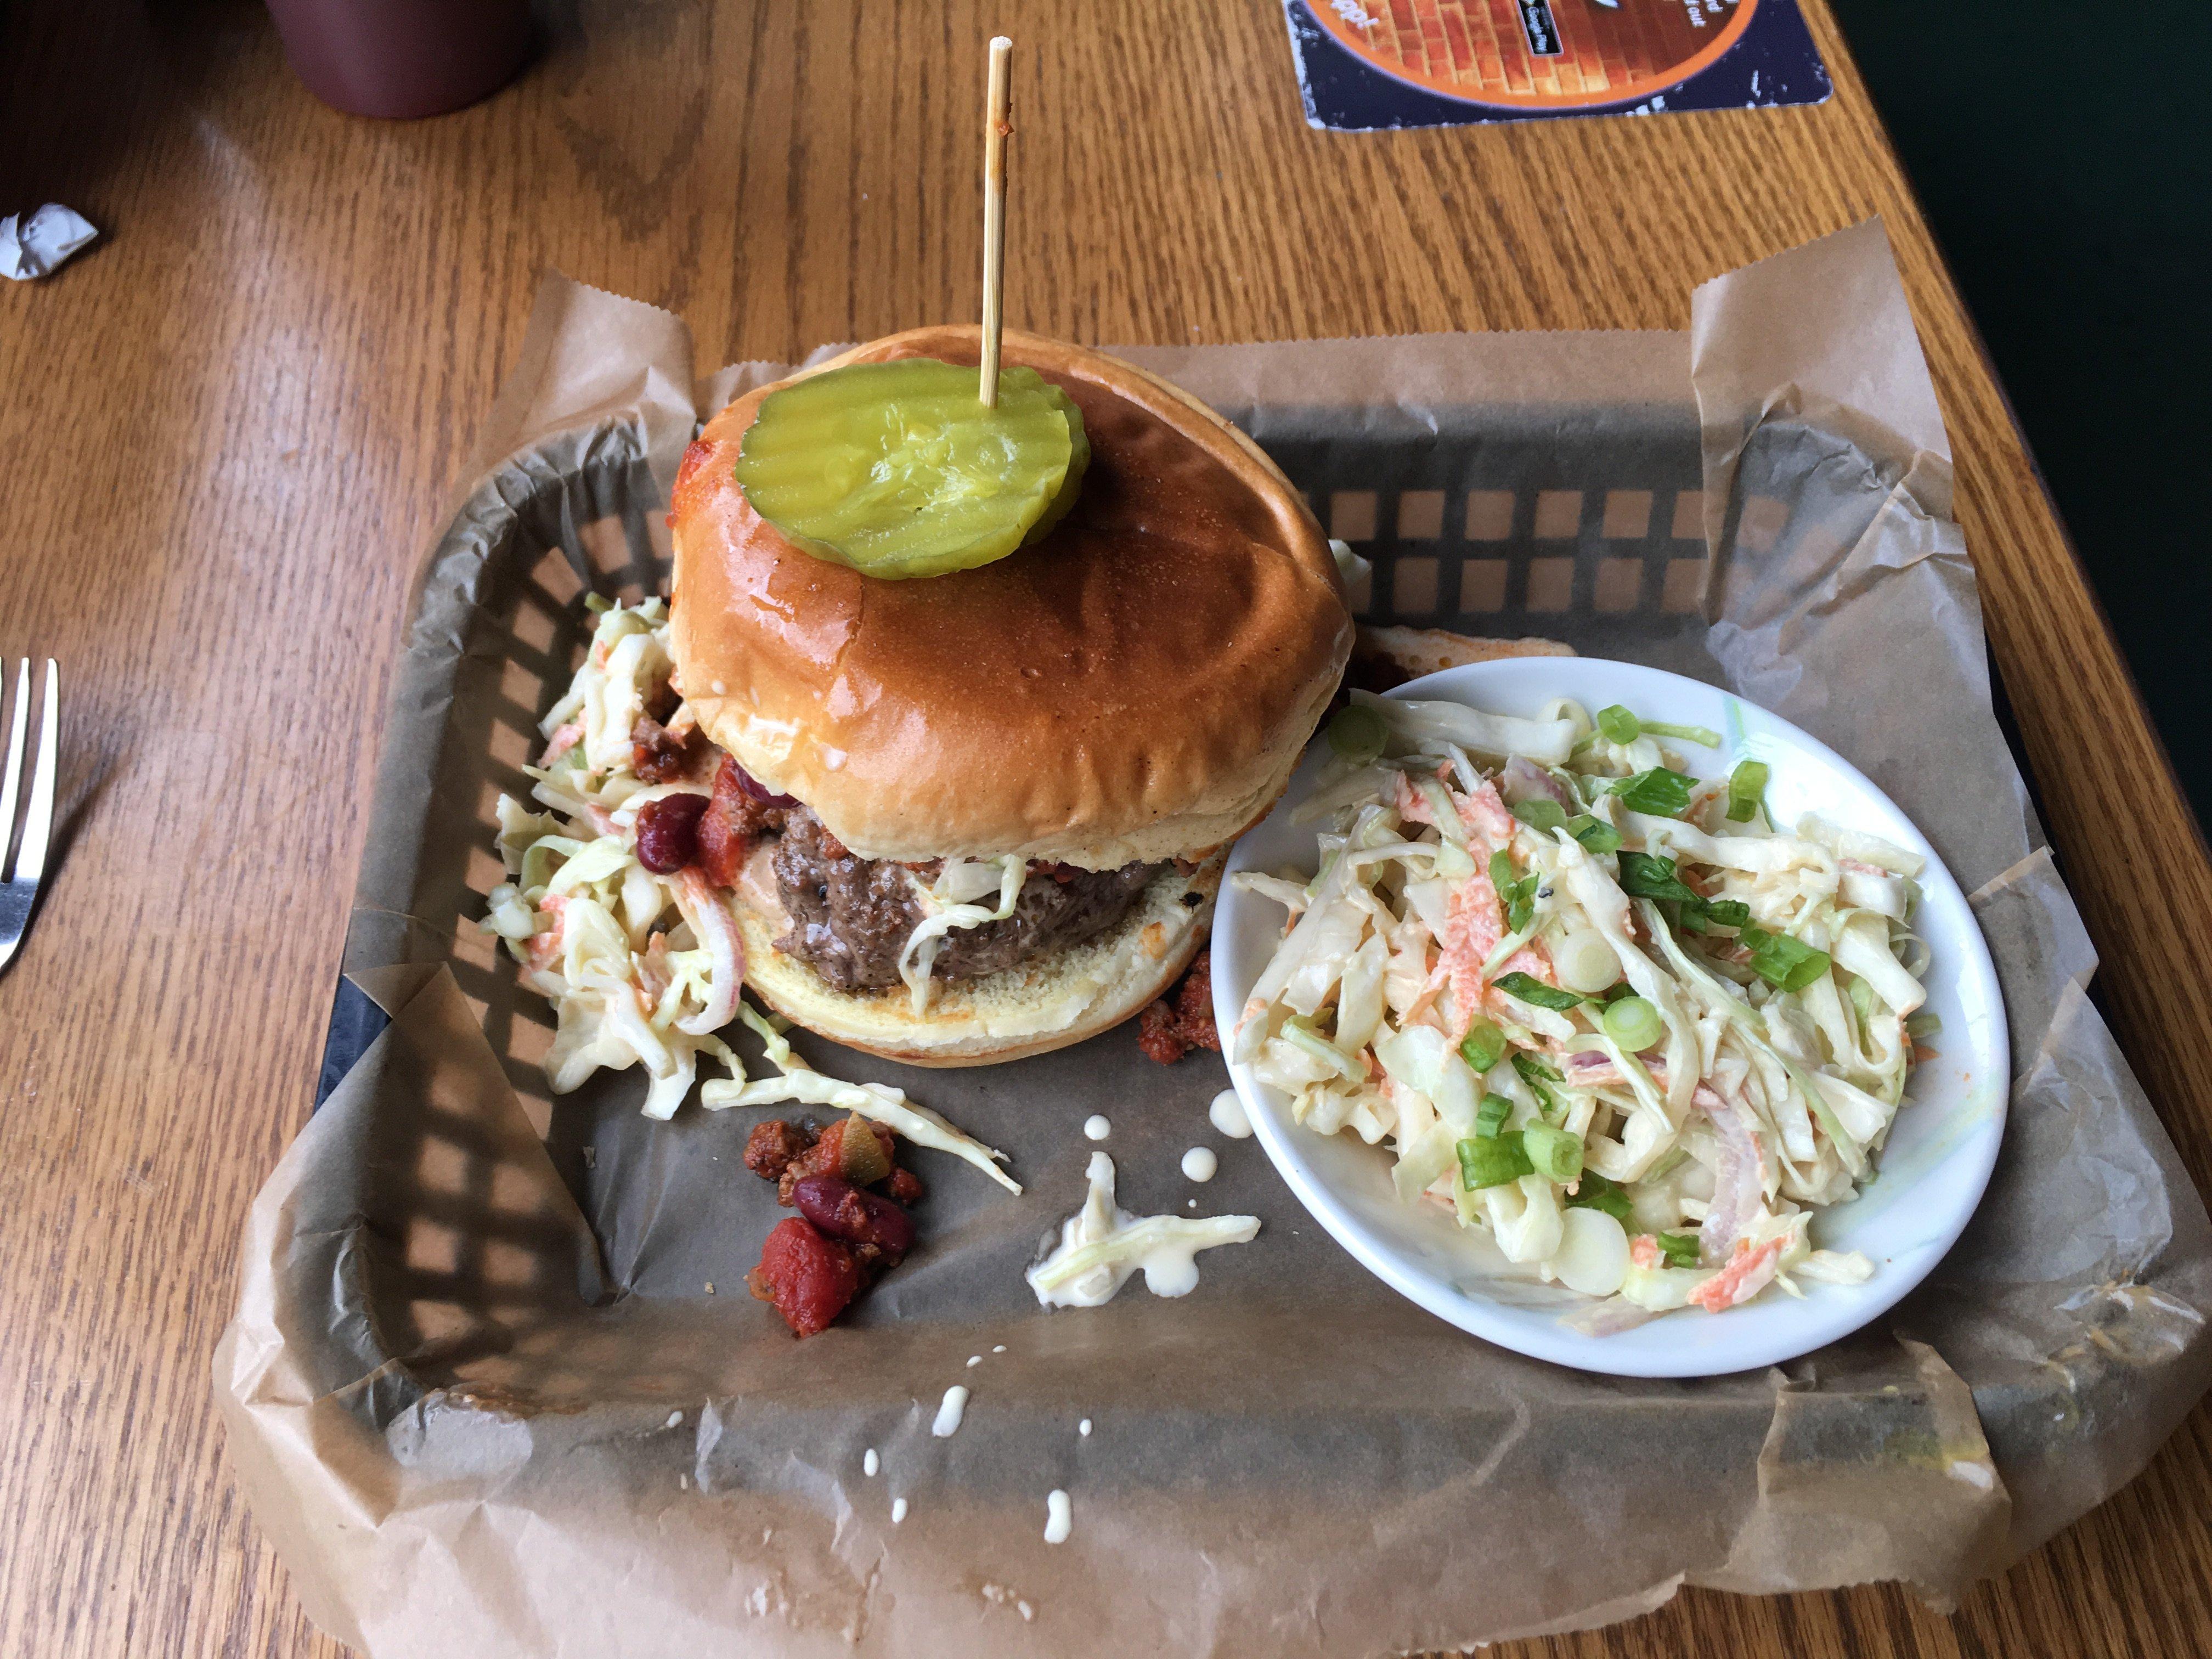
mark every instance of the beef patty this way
{"type": "Point", "coordinates": [850, 916]}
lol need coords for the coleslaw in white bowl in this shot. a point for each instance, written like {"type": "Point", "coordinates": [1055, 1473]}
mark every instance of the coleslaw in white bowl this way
{"type": "Point", "coordinates": [1610, 1018]}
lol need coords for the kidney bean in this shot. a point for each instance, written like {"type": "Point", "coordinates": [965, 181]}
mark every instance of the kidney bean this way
{"type": "Point", "coordinates": [757, 790]}
{"type": "Point", "coordinates": [844, 1210]}
{"type": "Point", "coordinates": [668, 832]}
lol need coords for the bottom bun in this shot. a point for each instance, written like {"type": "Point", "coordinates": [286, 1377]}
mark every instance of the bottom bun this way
{"type": "Point", "coordinates": [1031, 1008]}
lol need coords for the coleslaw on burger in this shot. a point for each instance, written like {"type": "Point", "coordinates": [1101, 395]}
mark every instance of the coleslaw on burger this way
{"type": "Point", "coordinates": [645, 969]}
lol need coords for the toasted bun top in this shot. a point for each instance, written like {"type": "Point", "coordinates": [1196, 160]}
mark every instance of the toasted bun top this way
{"type": "Point", "coordinates": [1135, 686]}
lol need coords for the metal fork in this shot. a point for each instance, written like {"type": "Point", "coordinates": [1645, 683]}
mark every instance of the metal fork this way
{"type": "Point", "coordinates": [18, 882]}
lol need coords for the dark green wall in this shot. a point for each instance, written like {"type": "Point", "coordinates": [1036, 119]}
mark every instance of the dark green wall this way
{"type": "Point", "coordinates": [2063, 155]}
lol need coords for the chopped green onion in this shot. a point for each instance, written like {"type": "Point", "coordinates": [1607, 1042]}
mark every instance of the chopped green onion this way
{"type": "Point", "coordinates": [1537, 994]}
{"type": "Point", "coordinates": [1533, 1069]}
{"type": "Point", "coordinates": [1643, 876]}
{"type": "Point", "coordinates": [1662, 791]}
{"type": "Point", "coordinates": [1680, 1249]}
{"type": "Point", "coordinates": [1747, 791]}
{"type": "Point", "coordinates": [1541, 812]}
{"type": "Point", "coordinates": [1539, 1077]}
{"type": "Point", "coordinates": [1921, 1025]}
{"type": "Point", "coordinates": [1582, 961]}
{"type": "Point", "coordinates": [1519, 897]}
{"type": "Point", "coordinates": [1553, 1152]}
{"type": "Point", "coordinates": [598, 603]}
{"type": "Point", "coordinates": [1358, 733]}
{"type": "Point", "coordinates": [1594, 1192]}
{"type": "Point", "coordinates": [1501, 870]}
{"type": "Point", "coordinates": [1483, 1047]}
{"type": "Point", "coordinates": [1490, 1116]}
{"type": "Point", "coordinates": [1782, 962]}
{"type": "Point", "coordinates": [1595, 834]}
{"type": "Point", "coordinates": [1621, 726]}
{"type": "Point", "coordinates": [1494, 1161]}
{"type": "Point", "coordinates": [1634, 1024]}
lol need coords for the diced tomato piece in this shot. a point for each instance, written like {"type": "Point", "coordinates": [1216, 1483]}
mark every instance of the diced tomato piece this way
{"type": "Point", "coordinates": [808, 1278]}
{"type": "Point", "coordinates": [723, 837]}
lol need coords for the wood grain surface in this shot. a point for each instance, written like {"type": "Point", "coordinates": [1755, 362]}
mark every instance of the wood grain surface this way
{"type": "Point", "coordinates": [226, 431]}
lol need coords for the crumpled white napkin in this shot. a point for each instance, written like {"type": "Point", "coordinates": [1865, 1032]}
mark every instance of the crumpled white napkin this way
{"type": "Point", "coordinates": [41, 242]}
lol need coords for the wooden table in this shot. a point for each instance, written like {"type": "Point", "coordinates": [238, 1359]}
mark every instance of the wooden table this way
{"type": "Point", "coordinates": [226, 432]}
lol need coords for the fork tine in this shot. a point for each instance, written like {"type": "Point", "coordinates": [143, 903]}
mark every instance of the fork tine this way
{"type": "Point", "coordinates": [39, 815]}
{"type": "Point", "coordinates": [14, 775]}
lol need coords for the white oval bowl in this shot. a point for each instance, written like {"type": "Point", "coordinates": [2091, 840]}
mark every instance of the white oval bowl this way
{"type": "Point", "coordinates": [1931, 1173]}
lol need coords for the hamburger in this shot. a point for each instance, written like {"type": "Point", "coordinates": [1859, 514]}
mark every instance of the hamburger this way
{"type": "Point", "coordinates": [976, 815]}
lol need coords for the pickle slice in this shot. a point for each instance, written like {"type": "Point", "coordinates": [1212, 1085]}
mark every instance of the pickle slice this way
{"type": "Point", "coordinates": [897, 470]}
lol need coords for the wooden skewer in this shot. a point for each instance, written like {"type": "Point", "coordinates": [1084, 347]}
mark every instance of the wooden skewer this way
{"type": "Point", "coordinates": [994, 213]}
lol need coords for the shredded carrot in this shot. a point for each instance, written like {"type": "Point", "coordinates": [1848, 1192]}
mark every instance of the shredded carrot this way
{"type": "Point", "coordinates": [1748, 1273]}
{"type": "Point", "coordinates": [1530, 959]}
{"type": "Point", "coordinates": [563, 738]}
{"type": "Point", "coordinates": [1483, 810]}
{"type": "Point", "coordinates": [1473, 926]}
{"type": "Point", "coordinates": [544, 948]}
{"type": "Point", "coordinates": [1412, 804]}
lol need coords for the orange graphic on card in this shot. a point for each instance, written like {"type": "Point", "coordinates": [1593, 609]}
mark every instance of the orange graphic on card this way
{"type": "Point", "coordinates": [1537, 54]}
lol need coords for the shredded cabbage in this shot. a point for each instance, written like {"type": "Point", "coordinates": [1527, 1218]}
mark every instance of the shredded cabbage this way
{"type": "Point", "coordinates": [949, 902]}
{"type": "Point", "coordinates": [644, 968]}
{"type": "Point", "coordinates": [1782, 968]}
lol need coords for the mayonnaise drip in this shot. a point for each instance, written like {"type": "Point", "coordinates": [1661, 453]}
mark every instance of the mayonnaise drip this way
{"type": "Point", "coordinates": [1227, 1115]}
{"type": "Point", "coordinates": [949, 1413]}
{"type": "Point", "coordinates": [1102, 1244]}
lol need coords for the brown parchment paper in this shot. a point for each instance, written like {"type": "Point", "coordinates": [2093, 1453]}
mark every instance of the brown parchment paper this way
{"type": "Point", "coordinates": [494, 1385]}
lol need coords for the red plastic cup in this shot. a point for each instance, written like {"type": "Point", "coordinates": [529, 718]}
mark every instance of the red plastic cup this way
{"type": "Point", "coordinates": [400, 60]}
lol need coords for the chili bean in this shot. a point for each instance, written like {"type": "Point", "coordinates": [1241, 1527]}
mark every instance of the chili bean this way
{"type": "Point", "coordinates": [844, 1210]}
{"type": "Point", "coordinates": [668, 832]}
